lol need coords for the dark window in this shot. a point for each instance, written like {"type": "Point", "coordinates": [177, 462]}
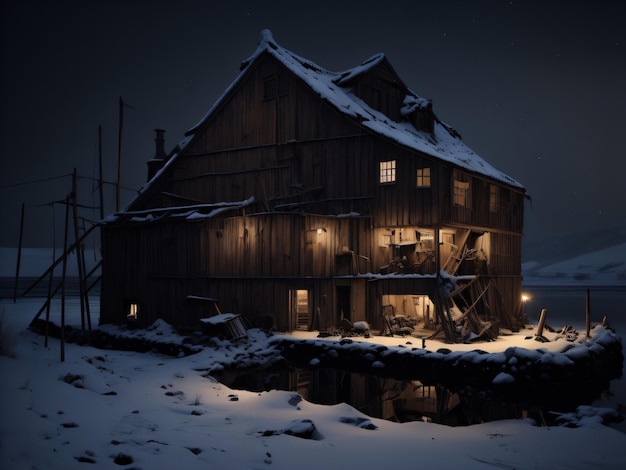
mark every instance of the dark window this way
{"type": "Point", "coordinates": [270, 88]}
{"type": "Point", "coordinates": [494, 198]}
{"type": "Point", "coordinates": [461, 193]}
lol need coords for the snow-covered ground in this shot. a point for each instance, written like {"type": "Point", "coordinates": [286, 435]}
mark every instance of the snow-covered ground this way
{"type": "Point", "coordinates": [601, 267]}
{"type": "Point", "coordinates": [142, 410]}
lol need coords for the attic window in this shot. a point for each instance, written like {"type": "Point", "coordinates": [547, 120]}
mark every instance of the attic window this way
{"type": "Point", "coordinates": [388, 171]}
{"type": "Point", "coordinates": [270, 88]}
{"type": "Point", "coordinates": [423, 178]}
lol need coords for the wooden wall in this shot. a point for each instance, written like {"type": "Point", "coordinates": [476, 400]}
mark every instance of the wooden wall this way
{"type": "Point", "coordinates": [294, 148]}
{"type": "Point", "coordinates": [307, 165]}
{"type": "Point", "coordinates": [382, 90]}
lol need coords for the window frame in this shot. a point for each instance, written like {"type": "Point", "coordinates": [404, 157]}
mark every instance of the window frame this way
{"type": "Point", "coordinates": [461, 192]}
{"type": "Point", "coordinates": [387, 171]}
{"type": "Point", "coordinates": [494, 198]}
{"type": "Point", "coordinates": [423, 178]}
{"type": "Point", "coordinates": [270, 88]}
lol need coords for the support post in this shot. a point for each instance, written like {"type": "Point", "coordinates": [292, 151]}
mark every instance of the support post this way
{"type": "Point", "coordinates": [50, 279]}
{"type": "Point", "coordinates": [119, 156]}
{"type": "Point", "coordinates": [100, 182]}
{"type": "Point", "coordinates": [587, 315]}
{"type": "Point", "coordinates": [19, 256]}
{"type": "Point", "coordinates": [67, 216]}
{"type": "Point", "coordinates": [542, 322]}
{"type": "Point", "coordinates": [79, 251]}
{"type": "Point", "coordinates": [80, 258]}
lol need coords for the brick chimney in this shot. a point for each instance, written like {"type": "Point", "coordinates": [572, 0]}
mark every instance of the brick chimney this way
{"type": "Point", "coordinates": [160, 157]}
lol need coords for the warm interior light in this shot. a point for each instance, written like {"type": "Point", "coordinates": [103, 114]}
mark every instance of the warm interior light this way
{"type": "Point", "coordinates": [132, 312]}
{"type": "Point", "coordinates": [525, 298]}
{"type": "Point", "coordinates": [319, 231]}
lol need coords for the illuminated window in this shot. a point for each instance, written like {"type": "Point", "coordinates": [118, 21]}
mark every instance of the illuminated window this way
{"type": "Point", "coordinates": [494, 198]}
{"type": "Point", "coordinates": [461, 193]}
{"type": "Point", "coordinates": [423, 178]}
{"type": "Point", "coordinates": [388, 171]}
{"type": "Point", "coordinates": [132, 311]}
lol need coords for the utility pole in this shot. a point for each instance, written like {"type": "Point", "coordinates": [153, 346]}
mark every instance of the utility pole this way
{"type": "Point", "coordinates": [100, 182]}
{"type": "Point", "coordinates": [19, 256]}
{"type": "Point", "coordinates": [119, 155]}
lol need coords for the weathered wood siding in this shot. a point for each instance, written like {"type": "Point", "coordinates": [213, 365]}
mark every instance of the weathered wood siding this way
{"type": "Point", "coordinates": [506, 214]}
{"type": "Point", "coordinates": [307, 166]}
{"type": "Point", "coordinates": [382, 90]}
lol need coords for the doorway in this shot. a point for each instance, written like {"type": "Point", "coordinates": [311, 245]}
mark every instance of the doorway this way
{"type": "Point", "coordinates": [300, 312]}
{"type": "Point", "coordinates": [343, 302]}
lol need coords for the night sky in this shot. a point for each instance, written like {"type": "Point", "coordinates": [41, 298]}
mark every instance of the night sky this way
{"type": "Point", "coordinates": [537, 88]}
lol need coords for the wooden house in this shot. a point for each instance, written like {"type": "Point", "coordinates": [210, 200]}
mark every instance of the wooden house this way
{"type": "Point", "coordinates": [306, 197]}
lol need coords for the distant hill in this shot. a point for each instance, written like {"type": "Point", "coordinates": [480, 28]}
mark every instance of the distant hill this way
{"type": "Point", "coordinates": [590, 257]}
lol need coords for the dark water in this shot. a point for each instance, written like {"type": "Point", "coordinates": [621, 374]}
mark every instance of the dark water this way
{"type": "Point", "coordinates": [567, 306]}
{"type": "Point", "coordinates": [409, 400]}
{"type": "Point", "coordinates": [380, 397]}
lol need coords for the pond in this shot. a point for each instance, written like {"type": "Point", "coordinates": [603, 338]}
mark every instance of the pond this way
{"type": "Point", "coordinates": [410, 400]}
{"type": "Point", "coordinates": [381, 397]}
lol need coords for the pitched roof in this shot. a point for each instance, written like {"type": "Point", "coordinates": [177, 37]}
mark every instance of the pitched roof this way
{"type": "Point", "coordinates": [333, 87]}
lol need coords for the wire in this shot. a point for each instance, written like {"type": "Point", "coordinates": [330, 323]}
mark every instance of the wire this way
{"type": "Point", "coordinates": [107, 182]}
{"type": "Point", "coordinates": [35, 181]}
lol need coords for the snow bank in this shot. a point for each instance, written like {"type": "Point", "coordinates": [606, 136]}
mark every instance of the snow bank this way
{"type": "Point", "coordinates": [146, 410]}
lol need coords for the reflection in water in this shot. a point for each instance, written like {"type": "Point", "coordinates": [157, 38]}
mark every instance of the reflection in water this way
{"type": "Point", "coordinates": [411, 400]}
{"type": "Point", "coordinates": [378, 397]}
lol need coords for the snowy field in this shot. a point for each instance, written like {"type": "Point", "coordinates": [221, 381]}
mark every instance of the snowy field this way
{"type": "Point", "coordinates": [139, 410]}
{"type": "Point", "coordinates": [602, 267]}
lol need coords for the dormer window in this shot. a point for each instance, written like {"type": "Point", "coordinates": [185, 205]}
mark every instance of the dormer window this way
{"type": "Point", "coordinates": [419, 111]}
{"type": "Point", "coordinates": [388, 171]}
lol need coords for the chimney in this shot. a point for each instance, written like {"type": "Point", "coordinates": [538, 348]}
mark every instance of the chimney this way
{"type": "Point", "coordinates": [160, 144]}
{"type": "Point", "coordinates": [423, 118]}
{"type": "Point", "coordinates": [160, 157]}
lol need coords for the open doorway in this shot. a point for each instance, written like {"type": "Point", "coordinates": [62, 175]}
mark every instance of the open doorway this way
{"type": "Point", "coordinates": [343, 302]}
{"type": "Point", "coordinates": [300, 312]}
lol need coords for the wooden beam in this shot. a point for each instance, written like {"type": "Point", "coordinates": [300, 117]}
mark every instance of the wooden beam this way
{"type": "Point", "coordinates": [65, 252]}
{"type": "Point", "coordinates": [58, 260]}
{"type": "Point", "coordinates": [542, 322]}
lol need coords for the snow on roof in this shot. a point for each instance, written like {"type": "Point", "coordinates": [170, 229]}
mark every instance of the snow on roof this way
{"type": "Point", "coordinates": [446, 144]}
{"type": "Point", "coordinates": [191, 213]}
